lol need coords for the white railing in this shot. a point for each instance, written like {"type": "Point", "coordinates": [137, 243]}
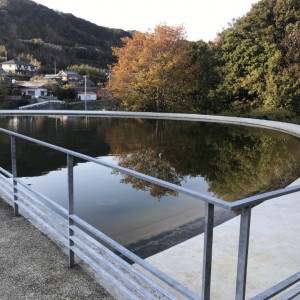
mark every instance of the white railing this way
{"type": "Point", "coordinates": [38, 104]}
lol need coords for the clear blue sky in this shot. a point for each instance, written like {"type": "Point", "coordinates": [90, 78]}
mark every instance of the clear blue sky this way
{"type": "Point", "coordinates": [202, 19]}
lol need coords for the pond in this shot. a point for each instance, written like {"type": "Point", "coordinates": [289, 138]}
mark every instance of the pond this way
{"type": "Point", "coordinates": [227, 161]}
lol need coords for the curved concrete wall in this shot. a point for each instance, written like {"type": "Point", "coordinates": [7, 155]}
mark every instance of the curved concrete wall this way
{"type": "Point", "coordinates": [280, 126]}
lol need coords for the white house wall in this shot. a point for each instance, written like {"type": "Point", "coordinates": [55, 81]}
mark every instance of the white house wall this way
{"type": "Point", "coordinates": [9, 68]}
{"type": "Point", "coordinates": [87, 97]}
{"type": "Point", "coordinates": [35, 93]}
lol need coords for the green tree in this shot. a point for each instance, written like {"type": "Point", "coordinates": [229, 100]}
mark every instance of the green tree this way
{"type": "Point", "coordinates": [292, 44]}
{"type": "Point", "coordinates": [3, 94]}
{"type": "Point", "coordinates": [30, 59]}
{"type": "Point", "coordinates": [65, 92]}
{"type": "Point", "coordinates": [2, 53]}
{"type": "Point", "coordinates": [3, 90]}
{"type": "Point", "coordinates": [256, 59]}
{"type": "Point", "coordinates": [204, 61]}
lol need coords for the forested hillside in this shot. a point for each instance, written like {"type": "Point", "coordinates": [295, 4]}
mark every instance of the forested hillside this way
{"type": "Point", "coordinates": [28, 28]}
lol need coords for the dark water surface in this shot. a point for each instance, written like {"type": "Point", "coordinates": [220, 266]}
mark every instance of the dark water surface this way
{"type": "Point", "coordinates": [227, 161]}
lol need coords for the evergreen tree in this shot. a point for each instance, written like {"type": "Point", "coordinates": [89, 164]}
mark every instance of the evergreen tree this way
{"type": "Point", "coordinates": [259, 59]}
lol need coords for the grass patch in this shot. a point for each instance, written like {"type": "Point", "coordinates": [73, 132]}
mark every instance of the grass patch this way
{"type": "Point", "coordinates": [281, 115]}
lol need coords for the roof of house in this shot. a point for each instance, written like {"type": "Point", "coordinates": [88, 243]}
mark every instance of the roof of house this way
{"type": "Point", "coordinates": [88, 93]}
{"type": "Point", "coordinates": [69, 72]}
{"type": "Point", "coordinates": [7, 74]}
{"type": "Point", "coordinates": [17, 62]}
{"type": "Point", "coordinates": [52, 76]}
{"type": "Point", "coordinates": [31, 85]}
{"type": "Point", "coordinates": [2, 72]}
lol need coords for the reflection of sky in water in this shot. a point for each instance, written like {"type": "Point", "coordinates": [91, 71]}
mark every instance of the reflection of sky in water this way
{"type": "Point", "coordinates": [117, 209]}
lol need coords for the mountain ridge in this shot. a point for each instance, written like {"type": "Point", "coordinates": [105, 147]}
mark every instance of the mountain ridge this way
{"type": "Point", "coordinates": [32, 28]}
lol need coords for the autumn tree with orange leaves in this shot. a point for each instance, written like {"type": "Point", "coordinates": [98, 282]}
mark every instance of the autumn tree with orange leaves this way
{"type": "Point", "coordinates": [154, 71]}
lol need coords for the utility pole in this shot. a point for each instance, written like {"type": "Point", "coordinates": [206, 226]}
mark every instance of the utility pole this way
{"type": "Point", "coordinates": [84, 92]}
{"type": "Point", "coordinates": [55, 67]}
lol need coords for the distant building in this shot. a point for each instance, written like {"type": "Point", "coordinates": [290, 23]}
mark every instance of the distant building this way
{"type": "Point", "coordinates": [18, 67]}
{"type": "Point", "coordinates": [65, 76]}
{"type": "Point", "coordinates": [69, 77]}
{"type": "Point", "coordinates": [87, 96]}
{"type": "Point", "coordinates": [52, 78]}
{"type": "Point", "coordinates": [32, 90]}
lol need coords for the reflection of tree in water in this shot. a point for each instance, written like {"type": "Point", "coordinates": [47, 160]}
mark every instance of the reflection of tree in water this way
{"type": "Point", "coordinates": [262, 164]}
{"type": "Point", "coordinates": [152, 163]}
{"type": "Point", "coordinates": [235, 161]}
{"type": "Point", "coordinates": [71, 133]}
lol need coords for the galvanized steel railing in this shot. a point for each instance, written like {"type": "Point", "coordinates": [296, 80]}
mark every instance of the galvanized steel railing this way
{"type": "Point", "coordinates": [79, 236]}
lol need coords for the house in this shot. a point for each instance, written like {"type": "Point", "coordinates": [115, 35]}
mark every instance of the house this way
{"type": "Point", "coordinates": [52, 78]}
{"type": "Point", "coordinates": [18, 67]}
{"type": "Point", "coordinates": [85, 96]}
{"type": "Point", "coordinates": [32, 90]}
{"type": "Point", "coordinates": [70, 77]}
{"type": "Point", "coordinates": [65, 76]}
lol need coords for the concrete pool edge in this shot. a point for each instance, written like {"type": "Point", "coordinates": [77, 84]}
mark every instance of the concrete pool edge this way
{"type": "Point", "coordinates": [289, 128]}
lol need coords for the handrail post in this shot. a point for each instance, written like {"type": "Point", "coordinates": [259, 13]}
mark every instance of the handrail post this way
{"type": "Point", "coordinates": [70, 164]}
{"type": "Point", "coordinates": [14, 173]}
{"type": "Point", "coordinates": [243, 253]}
{"type": "Point", "coordinates": [207, 251]}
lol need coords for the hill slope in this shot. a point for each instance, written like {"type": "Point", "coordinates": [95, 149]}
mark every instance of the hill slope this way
{"type": "Point", "coordinates": [31, 28]}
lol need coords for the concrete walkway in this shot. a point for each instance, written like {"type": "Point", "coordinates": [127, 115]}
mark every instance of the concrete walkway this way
{"type": "Point", "coordinates": [33, 267]}
{"type": "Point", "coordinates": [274, 251]}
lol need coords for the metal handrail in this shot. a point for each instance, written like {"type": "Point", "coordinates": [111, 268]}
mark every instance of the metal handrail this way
{"type": "Point", "coordinates": [257, 199]}
{"type": "Point", "coordinates": [171, 186]}
{"type": "Point", "coordinates": [250, 201]}
{"type": "Point", "coordinates": [244, 205]}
